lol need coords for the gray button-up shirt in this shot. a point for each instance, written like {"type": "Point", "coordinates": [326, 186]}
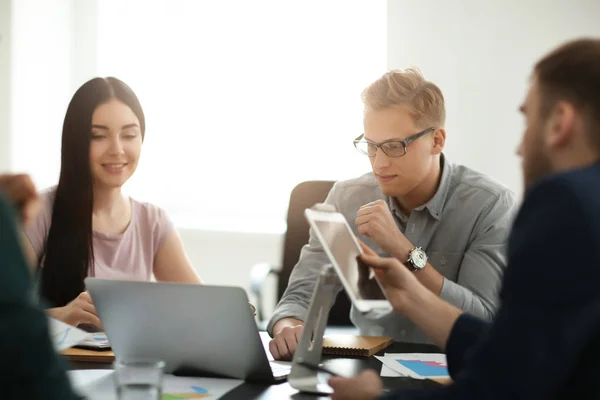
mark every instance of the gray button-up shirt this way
{"type": "Point", "coordinates": [463, 229]}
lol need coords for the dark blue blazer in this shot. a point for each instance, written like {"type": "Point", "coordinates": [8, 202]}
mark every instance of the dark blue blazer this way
{"type": "Point", "coordinates": [545, 340]}
{"type": "Point", "coordinates": [29, 366]}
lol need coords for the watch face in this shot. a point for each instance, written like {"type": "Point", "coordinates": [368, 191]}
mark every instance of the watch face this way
{"type": "Point", "coordinates": [418, 258]}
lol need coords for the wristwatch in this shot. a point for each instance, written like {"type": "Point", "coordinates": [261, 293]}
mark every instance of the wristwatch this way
{"type": "Point", "coordinates": [417, 259]}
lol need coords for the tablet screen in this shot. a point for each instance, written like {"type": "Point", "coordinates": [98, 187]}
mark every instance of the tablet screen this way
{"type": "Point", "coordinates": [345, 252]}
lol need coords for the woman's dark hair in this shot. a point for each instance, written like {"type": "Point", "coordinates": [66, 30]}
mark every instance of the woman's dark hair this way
{"type": "Point", "coordinates": [69, 252]}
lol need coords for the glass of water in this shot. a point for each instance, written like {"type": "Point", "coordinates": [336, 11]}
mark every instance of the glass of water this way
{"type": "Point", "coordinates": [139, 379]}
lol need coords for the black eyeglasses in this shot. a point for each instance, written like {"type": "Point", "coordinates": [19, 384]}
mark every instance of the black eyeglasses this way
{"type": "Point", "coordinates": [391, 148]}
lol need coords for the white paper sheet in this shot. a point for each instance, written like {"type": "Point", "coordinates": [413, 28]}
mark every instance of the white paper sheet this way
{"type": "Point", "coordinates": [387, 372]}
{"type": "Point", "coordinates": [65, 336]}
{"type": "Point", "coordinates": [96, 340]}
{"type": "Point", "coordinates": [415, 365]}
{"type": "Point", "coordinates": [100, 385]}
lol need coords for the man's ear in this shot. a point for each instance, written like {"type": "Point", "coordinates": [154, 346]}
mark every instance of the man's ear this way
{"type": "Point", "coordinates": [439, 140]}
{"type": "Point", "coordinates": [560, 126]}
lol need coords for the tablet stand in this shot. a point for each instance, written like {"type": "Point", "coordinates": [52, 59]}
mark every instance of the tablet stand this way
{"type": "Point", "coordinates": [310, 346]}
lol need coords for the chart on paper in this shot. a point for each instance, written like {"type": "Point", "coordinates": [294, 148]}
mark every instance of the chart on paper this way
{"type": "Point", "coordinates": [425, 368]}
{"type": "Point", "coordinates": [194, 392]}
{"type": "Point", "coordinates": [415, 365]}
{"type": "Point", "coordinates": [100, 385]}
{"type": "Point", "coordinates": [65, 336]}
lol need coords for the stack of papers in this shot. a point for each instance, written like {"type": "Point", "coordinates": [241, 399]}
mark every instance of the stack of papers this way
{"type": "Point", "coordinates": [96, 341]}
{"type": "Point", "coordinates": [414, 365]}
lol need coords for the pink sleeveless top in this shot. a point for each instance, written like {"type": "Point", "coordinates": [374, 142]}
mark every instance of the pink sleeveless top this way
{"type": "Point", "coordinates": [127, 256]}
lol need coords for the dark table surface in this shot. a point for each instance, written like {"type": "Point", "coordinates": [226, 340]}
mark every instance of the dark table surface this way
{"type": "Point", "coordinates": [342, 366]}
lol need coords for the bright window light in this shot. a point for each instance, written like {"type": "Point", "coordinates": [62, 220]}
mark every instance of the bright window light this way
{"type": "Point", "coordinates": [243, 99]}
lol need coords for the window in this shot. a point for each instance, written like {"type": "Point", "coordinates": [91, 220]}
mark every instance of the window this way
{"type": "Point", "coordinates": [243, 100]}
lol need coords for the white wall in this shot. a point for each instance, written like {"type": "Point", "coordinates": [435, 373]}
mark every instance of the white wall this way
{"type": "Point", "coordinates": [225, 258]}
{"type": "Point", "coordinates": [47, 50]}
{"type": "Point", "coordinates": [41, 63]}
{"type": "Point", "coordinates": [5, 51]}
{"type": "Point", "coordinates": [481, 54]}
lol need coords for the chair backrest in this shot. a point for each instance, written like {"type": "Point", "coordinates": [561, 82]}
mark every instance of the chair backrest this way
{"type": "Point", "coordinates": [304, 196]}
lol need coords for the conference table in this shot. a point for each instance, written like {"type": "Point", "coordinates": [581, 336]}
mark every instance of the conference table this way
{"type": "Point", "coordinates": [343, 366]}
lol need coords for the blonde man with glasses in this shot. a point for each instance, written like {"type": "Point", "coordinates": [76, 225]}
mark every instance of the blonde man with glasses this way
{"type": "Point", "coordinates": [447, 223]}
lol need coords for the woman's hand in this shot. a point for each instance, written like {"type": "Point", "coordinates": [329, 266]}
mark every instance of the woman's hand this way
{"type": "Point", "coordinates": [79, 311]}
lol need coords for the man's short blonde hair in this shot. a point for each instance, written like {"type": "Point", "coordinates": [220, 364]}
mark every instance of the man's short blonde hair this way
{"type": "Point", "coordinates": [408, 88]}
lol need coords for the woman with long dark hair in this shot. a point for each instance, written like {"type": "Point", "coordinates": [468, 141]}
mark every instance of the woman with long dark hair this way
{"type": "Point", "coordinates": [88, 227]}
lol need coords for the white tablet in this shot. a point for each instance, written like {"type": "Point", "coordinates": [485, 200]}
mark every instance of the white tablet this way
{"type": "Point", "coordinates": [343, 249]}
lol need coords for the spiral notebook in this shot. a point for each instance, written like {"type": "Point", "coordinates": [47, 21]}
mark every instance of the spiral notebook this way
{"type": "Point", "coordinates": [354, 346]}
{"type": "Point", "coordinates": [93, 356]}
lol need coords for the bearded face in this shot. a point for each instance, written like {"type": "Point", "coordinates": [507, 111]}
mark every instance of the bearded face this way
{"type": "Point", "coordinates": [536, 161]}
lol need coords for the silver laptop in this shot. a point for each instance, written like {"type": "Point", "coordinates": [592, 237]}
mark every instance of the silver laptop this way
{"type": "Point", "coordinates": [196, 330]}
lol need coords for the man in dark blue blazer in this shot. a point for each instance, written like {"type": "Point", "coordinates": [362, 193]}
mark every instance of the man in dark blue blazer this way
{"type": "Point", "coordinates": [29, 366]}
{"type": "Point", "coordinates": [545, 340]}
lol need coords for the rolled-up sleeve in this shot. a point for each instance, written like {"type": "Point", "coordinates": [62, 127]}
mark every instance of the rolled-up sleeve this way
{"type": "Point", "coordinates": [479, 279]}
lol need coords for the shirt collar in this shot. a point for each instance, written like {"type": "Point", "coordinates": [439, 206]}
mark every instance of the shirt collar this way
{"type": "Point", "coordinates": [436, 203]}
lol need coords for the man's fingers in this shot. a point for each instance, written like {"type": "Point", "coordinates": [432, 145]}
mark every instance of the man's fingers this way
{"type": "Point", "coordinates": [274, 350]}
{"type": "Point", "coordinates": [286, 342]}
{"type": "Point", "coordinates": [291, 342]}
{"type": "Point", "coordinates": [371, 207]}
{"type": "Point", "coordinates": [337, 382]}
{"type": "Point", "coordinates": [364, 229]}
{"type": "Point", "coordinates": [344, 388]}
{"type": "Point", "coordinates": [298, 332]}
{"type": "Point", "coordinates": [378, 262]}
{"type": "Point", "coordinates": [282, 349]}
{"type": "Point", "coordinates": [375, 203]}
{"type": "Point", "coordinates": [382, 263]}
{"type": "Point", "coordinates": [366, 249]}
{"type": "Point", "coordinates": [363, 219]}
{"type": "Point", "coordinates": [367, 385]}
{"type": "Point", "coordinates": [366, 210]}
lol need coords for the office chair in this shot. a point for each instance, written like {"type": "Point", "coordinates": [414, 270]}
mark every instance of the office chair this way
{"type": "Point", "coordinates": [304, 196]}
